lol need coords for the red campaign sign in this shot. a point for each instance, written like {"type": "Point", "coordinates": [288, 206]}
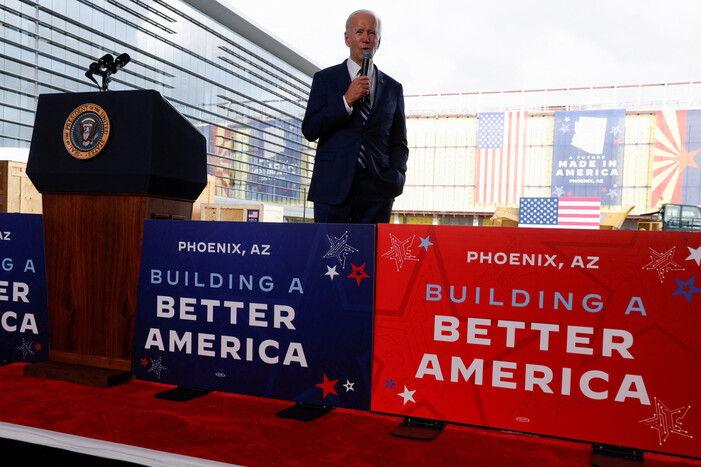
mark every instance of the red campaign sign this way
{"type": "Point", "coordinates": [575, 334]}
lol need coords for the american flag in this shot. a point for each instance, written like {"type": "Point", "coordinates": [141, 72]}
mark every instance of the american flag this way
{"type": "Point", "coordinates": [501, 147]}
{"type": "Point", "coordinates": [560, 213]}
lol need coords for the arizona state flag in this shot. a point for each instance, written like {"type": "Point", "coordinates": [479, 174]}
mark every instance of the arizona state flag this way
{"type": "Point", "coordinates": [676, 175]}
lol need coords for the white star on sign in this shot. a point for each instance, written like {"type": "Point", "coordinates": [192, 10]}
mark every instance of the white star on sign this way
{"type": "Point", "coordinates": [559, 191]}
{"type": "Point", "coordinates": [331, 272]}
{"type": "Point", "coordinates": [400, 251]}
{"type": "Point", "coordinates": [695, 255]}
{"type": "Point", "coordinates": [617, 130]}
{"type": "Point", "coordinates": [407, 395]}
{"type": "Point", "coordinates": [339, 248]}
{"type": "Point", "coordinates": [157, 367]}
{"type": "Point", "coordinates": [662, 262]}
{"type": "Point", "coordinates": [26, 348]}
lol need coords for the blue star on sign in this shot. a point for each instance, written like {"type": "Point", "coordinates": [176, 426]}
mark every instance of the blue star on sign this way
{"type": "Point", "coordinates": [686, 288]}
{"type": "Point", "coordinates": [425, 242]}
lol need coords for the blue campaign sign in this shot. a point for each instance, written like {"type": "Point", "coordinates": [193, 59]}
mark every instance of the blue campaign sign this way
{"type": "Point", "coordinates": [271, 310]}
{"type": "Point", "coordinates": [588, 148]}
{"type": "Point", "coordinates": [24, 315]}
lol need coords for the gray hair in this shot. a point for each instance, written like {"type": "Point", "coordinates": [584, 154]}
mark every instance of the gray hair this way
{"type": "Point", "coordinates": [378, 23]}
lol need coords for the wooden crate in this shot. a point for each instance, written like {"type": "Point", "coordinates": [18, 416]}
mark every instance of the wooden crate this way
{"type": "Point", "coordinates": [17, 192]}
{"type": "Point", "coordinates": [241, 212]}
{"type": "Point", "coordinates": [206, 197]}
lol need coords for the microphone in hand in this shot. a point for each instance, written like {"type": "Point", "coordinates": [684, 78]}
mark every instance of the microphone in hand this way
{"type": "Point", "coordinates": [365, 68]}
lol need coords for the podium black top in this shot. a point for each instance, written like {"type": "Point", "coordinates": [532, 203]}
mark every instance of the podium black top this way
{"type": "Point", "coordinates": [150, 148]}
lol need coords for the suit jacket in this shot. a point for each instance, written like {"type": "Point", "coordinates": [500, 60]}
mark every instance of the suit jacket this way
{"type": "Point", "coordinates": [340, 136]}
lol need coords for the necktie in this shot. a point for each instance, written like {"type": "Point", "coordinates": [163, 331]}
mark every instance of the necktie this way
{"type": "Point", "coordinates": [364, 108]}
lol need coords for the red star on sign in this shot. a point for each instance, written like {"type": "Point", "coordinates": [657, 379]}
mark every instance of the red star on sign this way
{"type": "Point", "coordinates": [37, 346]}
{"type": "Point", "coordinates": [327, 386]}
{"type": "Point", "coordinates": [358, 272]}
{"type": "Point", "coordinates": [144, 362]}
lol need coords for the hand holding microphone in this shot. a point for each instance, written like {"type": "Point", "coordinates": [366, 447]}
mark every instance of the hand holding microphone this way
{"type": "Point", "coordinates": [360, 86]}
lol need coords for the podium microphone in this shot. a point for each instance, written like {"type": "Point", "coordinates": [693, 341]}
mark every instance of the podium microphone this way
{"type": "Point", "coordinates": [106, 66]}
{"type": "Point", "coordinates": [119, 63]}
{"type": "Point", "coordinates": [94, 69]}
{"type": "Point", "coordinates": [105, 61]}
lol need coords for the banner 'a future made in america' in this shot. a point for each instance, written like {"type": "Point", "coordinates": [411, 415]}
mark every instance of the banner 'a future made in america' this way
{"type": "Point", "coordinates": [272, 310]}
{"type": "Point", "coordinates": [24, 320]}
{"type": "Point", "coordinates": [576, 334]}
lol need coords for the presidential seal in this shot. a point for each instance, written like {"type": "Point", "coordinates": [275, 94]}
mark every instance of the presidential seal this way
{"type": "Point", "coordinates": [86, 131]}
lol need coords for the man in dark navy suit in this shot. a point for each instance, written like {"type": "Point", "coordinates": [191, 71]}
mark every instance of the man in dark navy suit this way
{"type": "Point", "coordinates": [361, 156]}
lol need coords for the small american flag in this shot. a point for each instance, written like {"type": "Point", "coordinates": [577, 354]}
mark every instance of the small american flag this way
{"type": "Point", "coordinates": [501, 147]}
{"type": "Point", "coordinates": [560, 213]}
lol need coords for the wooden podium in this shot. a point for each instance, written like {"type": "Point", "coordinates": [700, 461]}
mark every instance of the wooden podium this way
{"type": "Point", "coordinates": [105, 162]}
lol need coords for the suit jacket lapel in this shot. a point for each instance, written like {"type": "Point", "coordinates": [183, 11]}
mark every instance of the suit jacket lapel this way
{"type": "Point", "coordinates": [342, 77]}
{"type": "Point", "coordinates": [380, 89]}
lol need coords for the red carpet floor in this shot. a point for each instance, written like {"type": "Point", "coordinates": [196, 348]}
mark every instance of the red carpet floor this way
{"type": "Point", "coordinates": [244, 430]}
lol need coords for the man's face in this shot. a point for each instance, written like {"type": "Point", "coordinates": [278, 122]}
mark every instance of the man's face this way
{"type": "Point", "coordinates": [362, 35]}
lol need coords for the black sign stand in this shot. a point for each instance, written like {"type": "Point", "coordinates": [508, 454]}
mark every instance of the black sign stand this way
{"type": "Point", "coordinates": [418, 428]}
{"type": "Point", "coordinates": [305, 412]}
{"type": "Point", "coordinates": [605, 455]}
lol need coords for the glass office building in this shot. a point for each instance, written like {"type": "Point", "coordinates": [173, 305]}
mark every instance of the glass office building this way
{"type": "Point", "coordinates": [245, 90]}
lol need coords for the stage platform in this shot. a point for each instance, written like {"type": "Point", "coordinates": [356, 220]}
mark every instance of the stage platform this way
{"type": "Point", "coordinates": [127, 423]}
